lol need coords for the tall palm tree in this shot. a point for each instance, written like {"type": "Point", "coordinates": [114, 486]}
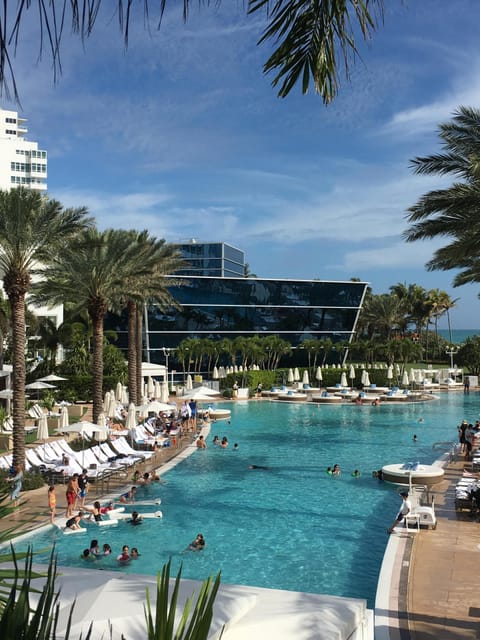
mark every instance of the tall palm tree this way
{"type": "Point", "coordinates": [452, 212]}
{"type": "Point", "coordinates": [149, 285]}
{"type": "Point", "coordinates": [91, 273]}
{"type": "Point", "coordinates": [33, 230]}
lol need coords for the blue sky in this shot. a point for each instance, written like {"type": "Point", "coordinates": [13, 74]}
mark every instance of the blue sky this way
{"type": "Point", "coordinates": [183, 135]}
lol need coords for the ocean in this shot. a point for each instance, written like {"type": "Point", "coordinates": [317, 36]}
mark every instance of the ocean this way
{"type": "Point", "coordinates": [459, 335]}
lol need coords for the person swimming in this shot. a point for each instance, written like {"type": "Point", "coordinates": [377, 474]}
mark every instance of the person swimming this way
{"type": "Point", "coordinates": [124, 557]}
{"type": "Point", "coordinates": [356, 473]}
{"type": "Point", "coordinates": [134, 553]}
{"type": "Point", "coordinates": [258, 466]}
{"type": "Point", "coordinates": [136, 518]}
{"type": "Point", "coordinates": [128, 496]}
{"type": "Point", "coordinates": [198, 544]}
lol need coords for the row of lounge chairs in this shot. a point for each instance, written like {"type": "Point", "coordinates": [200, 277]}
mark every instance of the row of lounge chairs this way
{"type": "Point", "coordinates": [58, 460]}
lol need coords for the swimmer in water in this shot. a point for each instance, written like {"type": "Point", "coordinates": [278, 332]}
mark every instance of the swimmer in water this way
{"type": "Point", "coordinates": [257, 466]}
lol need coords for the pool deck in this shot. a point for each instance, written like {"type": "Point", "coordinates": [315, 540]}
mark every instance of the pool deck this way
{"type": "Point", "coordinates": [437, 596]}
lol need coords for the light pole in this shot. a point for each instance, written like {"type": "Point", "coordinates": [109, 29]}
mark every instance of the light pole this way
{"type": "Point", "coordinates": [166, 353]}
{"type": "Point", "coordinates": [451, 351]}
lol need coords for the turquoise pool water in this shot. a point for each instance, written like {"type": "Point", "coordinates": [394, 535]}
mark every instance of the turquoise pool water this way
{"type": "Point", "coordinates": [292, 526]}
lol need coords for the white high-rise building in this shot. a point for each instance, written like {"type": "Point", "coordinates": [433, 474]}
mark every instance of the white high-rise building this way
{"type": "Point", "coordinates": [22, 163]}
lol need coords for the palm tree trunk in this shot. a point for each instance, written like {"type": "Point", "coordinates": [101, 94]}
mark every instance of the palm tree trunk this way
{"type": "Point", "coordinates": [17, 305]}
{"type": "Point", "coordinates": [97, 373]}
{"type": "Point", "coordinates": [132, 352]}
{"type": "Point", "coordinates": [138, 334]}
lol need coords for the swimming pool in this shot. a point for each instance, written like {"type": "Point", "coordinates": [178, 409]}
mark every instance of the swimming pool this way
{"type": "Point", "coordinates": [291, 526]}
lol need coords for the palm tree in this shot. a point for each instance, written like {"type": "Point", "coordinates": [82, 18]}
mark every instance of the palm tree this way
{"type": "Point", "coordinates": [313, 39]}
{"type": "Point", "coordinates": [33, 230]}
{"type": "Point", "coordinates": [91, 273]}
{"type": "Point", "coordinates": [452, 212]}
{"type": "Point", "coordinates": [149, 285]}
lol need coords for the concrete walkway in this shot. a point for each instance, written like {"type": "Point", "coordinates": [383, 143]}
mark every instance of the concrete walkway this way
{"type": "Point", "coordinates": [443, 599]}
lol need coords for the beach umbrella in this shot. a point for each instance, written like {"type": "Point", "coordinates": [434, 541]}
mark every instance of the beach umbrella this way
{"type": "Point", "coordinates": [64, 418]}
{"type": "Point", "coordinates": [419, 376]}
{"type": "Point", "coordinates": [364, 375]}
{"type": "Point", "coordinates": [189, 384]}
{"type": "Point", "coordinates": [40, 386]}
{"type": "Point", "coordinates": [390, 372]}
{"type": "Point", "coordinates": [222, 373]}
{"type": "Point", "coordinates": [84, 429]}
{"type": "Point", "coordinates": [158, 390]}
{"type": "Point", "coordinates": [405, 378]}
{"type": "Point", "coordinates": [52, 377]}
{"type": "Point", "coordinates": [367, 380]}
{"type": "Point", "coordinates": [154, 407]}
{"type": "Point", "coordinates": [351, 373]}
{"type": "Point", "coordinates": [411, 377]}
{"type": "Point", "coordinates": [131, 420]}
{"type": "Point", "coordinates": [42, 429]}
{"type": "Point", "coordinates": [343, 380]}
{"type": "Point", "coordinates": [102, 422]}
{"type": "Point", "coordinates": [164, 395]}
{"type": "Point", "coordinates": [290, 377]}
{"type": "Point", "coordinates": [118, 392]}
{"type": "Point", "coordinates": [305, 379]}
{"type": "Point", "coordinates": [150, 386]}
{"type": "Point", "coordinates": [296, 375]}
{"type": "Point", "coordinates": [397, 369]}
{"type": "Point", "coordinates": [318, 374]}
{"type": "Point", "coordinates": [124, 399]}
{"type": "Point", "coordinates": [215, 374]}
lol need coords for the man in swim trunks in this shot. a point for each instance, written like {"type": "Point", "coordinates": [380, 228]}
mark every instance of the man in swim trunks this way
{"type": "Point", "coordinates": [71, 494]}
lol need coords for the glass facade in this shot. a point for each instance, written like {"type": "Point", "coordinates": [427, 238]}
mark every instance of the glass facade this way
{"type": "Point", "coordinates": [216, 259]}
{"type": "Point", "coordinates": [216, 308]}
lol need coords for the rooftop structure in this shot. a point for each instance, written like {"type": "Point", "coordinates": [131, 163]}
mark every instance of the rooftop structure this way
{"type": "Point", "coordinates": [218, 259]}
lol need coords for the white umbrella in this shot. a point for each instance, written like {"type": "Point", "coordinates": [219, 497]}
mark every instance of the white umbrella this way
{"type": "Point", "coordinates": [411, 377]}
{"type": "Point", "coordinates": [164, 395]}
{"type": "Point", "coordinates": [367, 380]}
{"type": "Point", "coordinates": [351, 373]}
{"type": "Point", "coordinates": [419, 376]}
{"type": "Point", "coordinates": [158, 390]}
{"type": "Point", "coordinates": [102, 422]}
{"type": "Point", "coordinates": [42, 429]}
{"type": "Point", "coordinates": [318, 374]}
{"type": "Point", "coordinates": [221, 373]}
{"type": "Point", "coordinates": [150, 386]}
{"type": "Point", "coordinates": [124, 399]}
{"type": "Point", "coordinates": [131, 420]}
{"type": "Point", "coordinates": [64, 418]}
{"type": "Point", "coordinates": [84, 428]}
{"type": "Point", "coordinates": [405, 378]}
{"type": "Point", "coordinates": [189, 384]}
{"type": "Point", "coordinates": [40, 386]}
{"type": "Point", "coordinates": [52, 377]}
{"type": "Point", "coordinates": [397, 369]}
{"type": "Point", "coordinates": [154, 407]}
{"type": "Point", "coordinates": [215, 374]}
{"type": "Point", "coordinates": [296, 375]}
{"type": "Point", "coordinates": [290, 377]}
{"type": "Point", "coordinates": [343, 380]}
{"type": "Point", "coordinates": [118, 392]}
{"type": "Point", "coordinates": [390, 372]}
{"type": "Point", "coordinates": [364, 375]}
{"type": "Point", "coordinates": [305, 379]}
{"type": "Point", "coordinates": [201, 393]}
